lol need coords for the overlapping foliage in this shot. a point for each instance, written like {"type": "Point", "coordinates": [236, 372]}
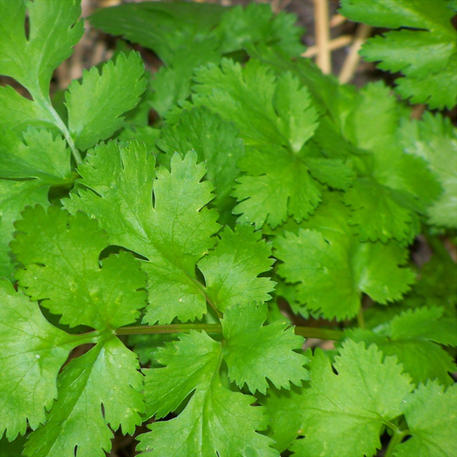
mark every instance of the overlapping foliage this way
{"type": "Point", "coordinates": [262, 185]}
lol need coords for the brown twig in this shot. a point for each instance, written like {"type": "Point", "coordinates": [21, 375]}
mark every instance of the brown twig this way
{"type": "Point", "coordinates": [417, 111]}
{"type": "Point", "coordinates": [337, 20]}
{"type": "Point", "coordinates": [337, 43]}
{"type": "Point", "coordinates": [352, 60]}
{"type": "Point", "coordinates": [321, 20]}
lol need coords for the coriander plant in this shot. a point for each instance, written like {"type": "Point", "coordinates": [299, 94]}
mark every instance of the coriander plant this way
{"type": "Point", "coordinates": [161, 279]}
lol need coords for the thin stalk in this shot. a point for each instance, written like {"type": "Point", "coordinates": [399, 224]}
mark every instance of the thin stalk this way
{"type": "Point", "coordinates": [309, 332]}
{"type": "Point", "coordinates": [396, 439]}
{"type": "Point", "coordinates": [319, 333]}
{"type": "Point", "coordinates": [360, 318]}
{"type": "Point", "coordinates": [46, 104]}
{"type": "Point", "coordinates": [321, 20]}
{"type": "Point", "coordinates": [353, 57]}
{"type": "Point", "coordinates": [171, 328]}
{"type": "Point", "coordinates": [212, 305]}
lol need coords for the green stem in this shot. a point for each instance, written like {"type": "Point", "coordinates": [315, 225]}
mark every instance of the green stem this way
{"type": "Point", "coordinates": [171, 328]}
{"type": "Point", "coordinates": [309, 332]}
{"type": "Point", "coordinates": [397, 437]}
{"type": "Point", "coordinates": [317, 332]}
{"type": "Point", "coordinates": [47, 105]}
{"type": "Point", "coordinates": [83, 338]}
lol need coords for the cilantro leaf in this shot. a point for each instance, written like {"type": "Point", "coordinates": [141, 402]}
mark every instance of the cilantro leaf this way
{"type": "Point", "coordinates": [95, 104]}
{"type": "Point", "coordinates": [267, 110]}
{"type": "Point", "coordinates": [187, 363]}
{"type": "Point", "coordinates": [160, 26]}
{"type": "Point", "coordinates": [14, 196]}
{"type": "Point", "coordinates": [180, 34]}
{"type": "Point", "coordinates": [397, 187]}
{"type": "Point", "coordinates": [214, 420]}
{"type": "Point", "coordinates": [425, 323]}
{"type": "Point", "coordinates": [425, 52]}
{"type": "Point", "coordinates": [105, 376]}
{"type": "Point", "coordinates": [215, 141]}
{"type": "Point", "coordinates": [430, 414]}
{"type": "Point", "coordinates": [119, 189]}
{"type": "Point", "coordinates": [255, 352]}
{"type": "Point", "coordinates": [411, 337]}
{"type": "Point", "coordinates": [186, 36]}
{"type": "Point", "coordinates": [33, 352]}
{"type": "Point", "coordinates": [40, 155]}
{"type": "Point", "coordinates": [201, 429]}
{"type": "Point", "coordinates": [285, 416]}
{"type": "Point", "coordinates": [232, 269]}
{"type": "Point", "coordinates": [54, 30]}
{"type": "Point", "coordinates": [255, 27]}
{"type": "Point", "coordinates": [323, 251]}
{"type": "Point", "coordinates": [28, 169]}
{"type": "Point", "coordinates": [17, 112]}
{"type": "Point", "coordinates": [13, 449]}
{"type": "Point", "coordinates": [276, 186]}
{"type": "Point", "coordinates": [60, 254]}
{"type": "Point", "coordinates": [394, 219]}
{"type": "Point", "coordinates": [435, 139]}
{"type": "Point", "coordinates": [344, 413]}
{"type": "Point", "coordinates": [275, 118]}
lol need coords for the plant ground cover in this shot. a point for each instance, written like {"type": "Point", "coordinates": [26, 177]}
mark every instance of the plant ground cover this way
{"type": "Point", "coordinates": [176, 247]}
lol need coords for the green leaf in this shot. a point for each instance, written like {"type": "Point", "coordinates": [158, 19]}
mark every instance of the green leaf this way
{"type": "Point", "coordinates": [425, 51]}
{"type": "Point", "coordinates": [232, 269]}
{"type": "Point", "coordinates": [255, 27]}
{"type": "Point", "coordinates": [96, 104]}
{"type": "Point", "coordinates": [323, 251]}
{"type": "Point", "coordinates": [162, 219]}
{"type": "Point", "coordinates": [14, 196]}
{"type": "Point", "coordinates": [411, 337]}
{"type": "Point", "coordinates": [214, 421]}
{"type": "Point", "coordinates": [105, 377]}
{"type": "Point", "coordinates": [28, 169]}
{"type": "Point", "coordinates": [180, 34]}
{"type": "Point", "coordinates": [60, 254]}
{"type": "Point", "coordinates": [160, 26]}
{"type": "Point", "coordinates": [54, 30]}
{"type": "Point", "coordinates": [285, 416]}
{"type": "Point", "coordinates": [186, 36]}
{"type": "Point", "coordinates": [336, 173]}
{"type": "Point", "coordinates": [397, 187]}
{"type": "Point", "coordinates": [425, 323]}
{"type": "Point", "coordinates": [13, 449]}
{"type": "Point", "coordinates": [431, 418]}
{"type": "Point", "coordinates": [345, 413]}
{"type": "Point", "coordinates": [435, 139]}
{"type": "Point", "coordinates": [40, 155]}
{"type": "Point", "coordinates": [208, 426]}
{"type": "Point", "coordinates": [276, 186]}
{"type": "Point", "coordinates": [275, 118]}
{"type": "Point", "coordinates": [421, 359]}
{"type": "Point", "coordinates": [215, 141]}
{"type": "Point", "coordinates": [267, 110]}
{"type": "Point", "coordinates": [393, 219]}
{"type": "Point", "coordinates": [18, 113]}
{"type": "Point", "coordinates": [33, 352]}
{"type": "Point", "coordinates": [255, 352]}
{"type": "Point", "coordinates": [187, 363]}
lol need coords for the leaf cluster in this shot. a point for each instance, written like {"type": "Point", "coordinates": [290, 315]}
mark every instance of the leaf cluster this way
{"type": "Point", "coordinates": [155, 274]}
